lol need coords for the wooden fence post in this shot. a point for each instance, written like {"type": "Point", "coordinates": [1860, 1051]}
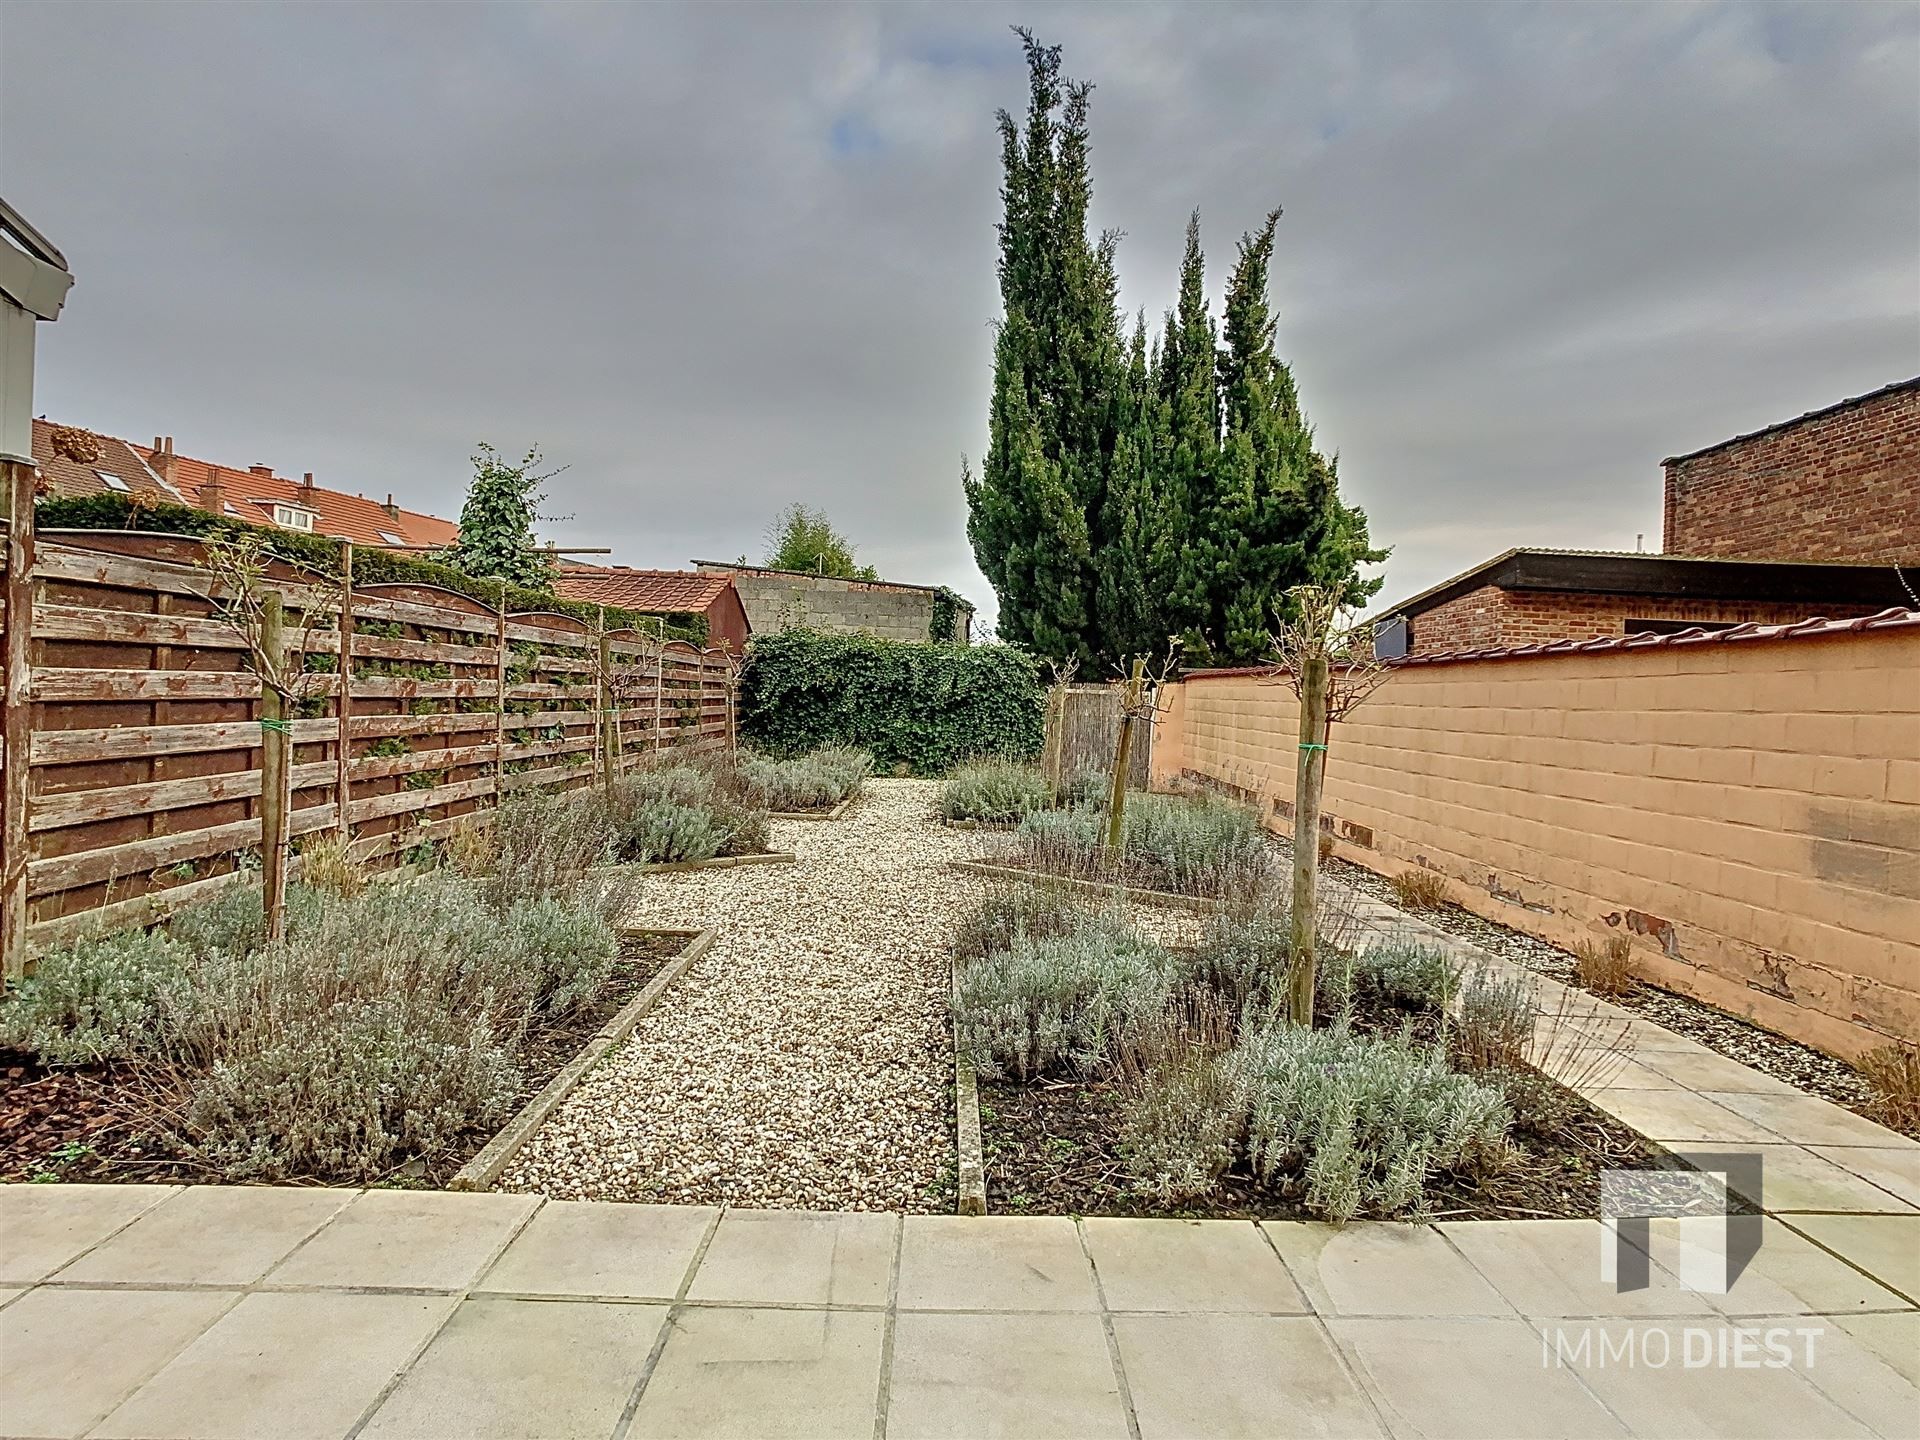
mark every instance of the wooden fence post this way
{"type": "Point", "coordinates": [659, 682]}
{"type": "Point", "coordinates": [343, 745]}
{"type": "Point", "coordinates": [608, 736]}
{"type": "Point", "coordinates": [19, 719]}
{"type": "Point", "coordinates": [274, 773]}
{"type": "Point", "coordinates": [500, 697]}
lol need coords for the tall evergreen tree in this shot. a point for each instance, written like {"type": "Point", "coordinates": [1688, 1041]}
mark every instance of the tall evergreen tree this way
{"type": "Point", "coordinates": [1188, 449]}
{"type": "Point", "coordinates": [1132, 617]}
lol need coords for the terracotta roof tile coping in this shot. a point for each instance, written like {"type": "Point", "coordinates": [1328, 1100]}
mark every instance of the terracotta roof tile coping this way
{"type": "Point", "coordinates": [1813, 629]}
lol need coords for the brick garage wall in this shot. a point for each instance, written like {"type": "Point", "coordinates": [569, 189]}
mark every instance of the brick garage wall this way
{"type": "Point", "coordinates": [1491, 616]}
{"type": "Point", "coordinates": [1748, 814]}
{"type": "Point", "coordinates": [1843, 484]}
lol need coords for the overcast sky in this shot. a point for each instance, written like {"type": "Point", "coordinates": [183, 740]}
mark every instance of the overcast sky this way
{"type": "Point", "coordinates": [715, 259]}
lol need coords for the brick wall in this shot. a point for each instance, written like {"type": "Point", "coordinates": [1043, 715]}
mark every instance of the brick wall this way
{"type": "Point", "coordinates": [1748, 814]}
{"type": "Point", "coordinates": [1491, 616]}
{"type": "Point", "coordinates": [1842, 484]}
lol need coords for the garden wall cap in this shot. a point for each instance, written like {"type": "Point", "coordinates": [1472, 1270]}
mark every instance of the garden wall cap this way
{"type": "Point", "coordinates": [1816, 628]}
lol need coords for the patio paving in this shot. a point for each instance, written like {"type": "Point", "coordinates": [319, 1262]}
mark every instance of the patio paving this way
{"type": "Point", "coordinates": [385, 1313]}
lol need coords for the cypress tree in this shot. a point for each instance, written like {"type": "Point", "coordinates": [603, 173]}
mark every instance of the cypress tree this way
{"type": "Point", "coordinates": [1188, 449]}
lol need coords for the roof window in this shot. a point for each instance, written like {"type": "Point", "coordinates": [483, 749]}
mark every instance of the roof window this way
{"type": "Point", "coordinates": [391, 538]}
{"type": "Point", "coordinates": [114, 482]}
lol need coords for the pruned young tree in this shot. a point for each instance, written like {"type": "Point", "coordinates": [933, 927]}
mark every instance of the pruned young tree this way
{"type": "Point", "coordinates": [248, 599]}
{"type": "Point", "coordinates": [1325, 655]}
{"type": "Point", "coordinates": [1139, 693]}
{"type": "Point", "coordinates": [496, 523]}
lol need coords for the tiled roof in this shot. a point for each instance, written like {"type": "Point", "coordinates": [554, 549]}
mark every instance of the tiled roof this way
{"type": "Point", "coordinates": [252, 493]}
{"type": "Point", "coordinates": [1815, 629]}
{"type": "Point", "coordinates": [248, 495]}
{"type": "Point", "coordinates": [653, 592]}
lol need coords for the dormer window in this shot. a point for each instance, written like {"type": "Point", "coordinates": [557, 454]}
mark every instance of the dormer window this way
{"type": "Point", "coordinates": [290, 517]}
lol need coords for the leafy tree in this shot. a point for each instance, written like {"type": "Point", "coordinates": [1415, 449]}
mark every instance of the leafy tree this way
{"type": "Point", "coordinates": [496, 523]}
{"type": "Point", "coordinates": [803, 539]}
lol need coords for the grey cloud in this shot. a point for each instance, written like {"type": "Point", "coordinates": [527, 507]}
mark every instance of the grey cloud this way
{"type": "Point", "coordinates": [717, 258]}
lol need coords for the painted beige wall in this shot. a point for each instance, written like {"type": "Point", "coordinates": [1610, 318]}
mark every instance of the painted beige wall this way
{"type": "Point", "coordinates": [1749, 813]}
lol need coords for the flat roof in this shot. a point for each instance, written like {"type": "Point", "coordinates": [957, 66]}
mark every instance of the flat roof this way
{"type": "Point", "coordinates": [733, 568]}
{"type": "Point", "coordinates": [1680, 577]}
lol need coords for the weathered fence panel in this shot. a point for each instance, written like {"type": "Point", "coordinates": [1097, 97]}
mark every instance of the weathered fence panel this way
{"type": "Point", "coordinates": [1083, 728]}
{"type": "Point", "coordinates": [137, 722]}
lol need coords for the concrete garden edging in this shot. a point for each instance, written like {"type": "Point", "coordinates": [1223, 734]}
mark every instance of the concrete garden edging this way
{"type": "Point", "coordinates": [1100, 888]}
{"type": "Point", "coordinates": [718, 862]}
{"type": "Point", "coordinates": [480, 1172]}
{"type": "Point", "coordinates": [970, 1166]}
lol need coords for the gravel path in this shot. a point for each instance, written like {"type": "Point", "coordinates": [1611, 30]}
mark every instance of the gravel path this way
{"type": "Point", "coordinates": [806, 1060]}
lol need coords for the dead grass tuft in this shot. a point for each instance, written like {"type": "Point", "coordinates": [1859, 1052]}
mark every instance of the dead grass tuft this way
{"type": "Point", "coordinates": [1894, 1073]}
{"type": "Point", "coordinates": [1420, 889]}
{"type": "Point", "coordinates": [1605, 969]}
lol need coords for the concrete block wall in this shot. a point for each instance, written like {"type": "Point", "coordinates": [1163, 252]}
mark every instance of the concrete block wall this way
{"type": "Point", "coordinates": [783, 602]}
{"type": "Point", "coordinates": [1492, 616]}
{"type": "Point", "coordinates": [1840, 484]}
{"type": "Point", "coordinates": [1747, 814]}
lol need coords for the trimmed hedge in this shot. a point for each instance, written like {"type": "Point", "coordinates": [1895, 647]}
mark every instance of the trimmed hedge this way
{"type": "Point", "coordinates": [924, 706]}
{"type": "Point", "coordinates": [371, 565]}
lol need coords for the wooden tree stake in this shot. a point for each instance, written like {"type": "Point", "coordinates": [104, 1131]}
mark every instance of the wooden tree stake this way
{"type": "Point", "coordinates": [343, 745]}
{"type": "Point", "coordinates": [1309, 773]}
{"type": "Point", "coordinates": [274, 773]}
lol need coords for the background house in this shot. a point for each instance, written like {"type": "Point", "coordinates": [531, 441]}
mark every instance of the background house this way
{"type": "Point", "coordinates": [1808, 518]}
{"type": "Point", "coordinates": [792, 599]}
{"type": "Point", "coordinates": [675, 594]}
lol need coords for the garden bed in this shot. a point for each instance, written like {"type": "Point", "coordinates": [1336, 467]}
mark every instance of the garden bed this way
{"type": "Point", "coordinates": [1054, 1148]}
{"type": "Point", "coordinates": [1007, 869]}
{"type": "Point", "coordinates": [91, 1123]}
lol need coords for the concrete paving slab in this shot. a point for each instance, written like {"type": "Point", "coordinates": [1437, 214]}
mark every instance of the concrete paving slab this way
{"type": "Point", "coordinates": [1873, 1387]}
{"type": "Point", "coordinates": [1551, 1268]}
{"type": "Point", "coordinates": [69, 1356]}
{"type": "Point", "coordinates": [43, 1227]}
{"type": "Point", "coordinates": [1382, 1268]}
{"type": "Point", "coordinates": [523, 1370]}
{"type": "Point", "coordinates": [1894, 1338]}
{"type": "Point", "coordinates": [1710, 1071]}
{"type": "Point", "coordinates": [771, 1374]}
{"type": "Point", "coordinates": [1190, 1265]}
{"type": "Point", "coordinates": [8, 1295]}
{"type": "Point", "coordinates": [1659, 1390]}
{"type": "Point", "coordinates": [289, 1366]}
{"type": "Point", "coordinates": [1267, 1377]}
{"type": "Point", "coordinates": [998, 1262]}
{"type": "Point", "coordinates": [576, 1247]}
{"type": "Point", "coordinates": [1808, 1120]}
{"type": "Point", "coordinates": [1887, 1247]}
{"type": "Point", "coordinates": [1793, 1178]}
{"type": "Point", "coordinates": [210, 1235]}
{"type": "Point", "coordinates": [406, 1240]}
{"type": "Point", "coordinates": [1466, 1379]}
{"type": "Point", "coordinates": [799, 1257]}
{"type": "Point", "coordinates": [1897, 1171]}
{"type": "Point", "coordinates": [1681, 1117]}
{"type": "Point", "coordinates": [994, 1376]}
{"type": "Point", "coordinates": [1789, 1276]}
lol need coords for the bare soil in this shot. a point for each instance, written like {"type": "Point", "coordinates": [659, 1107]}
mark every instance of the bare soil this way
{"type": "Point", "coordinates": [91, 1123]}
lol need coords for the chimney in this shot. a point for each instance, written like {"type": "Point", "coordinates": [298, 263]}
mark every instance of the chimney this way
{"type": "Point", "coordinates": [161, 461]}
{"type": "Point", "coordinates": [393, 510]}
{"type": "Point", "coordinates": [212, 497]}
{"type": "Point", "coordinates": [306, 489]}
{"type": "Point", "coordinates": [258, 469]}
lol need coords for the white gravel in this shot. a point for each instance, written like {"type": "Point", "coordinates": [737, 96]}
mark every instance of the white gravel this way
{"type": "Point", "coordinates": [806, 1060]}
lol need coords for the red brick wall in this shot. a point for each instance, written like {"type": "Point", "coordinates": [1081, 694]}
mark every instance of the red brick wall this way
{"type": "Point", "coordinates": [1843, 484]}
{"type": "Point", "coordinates": [1491, 616]}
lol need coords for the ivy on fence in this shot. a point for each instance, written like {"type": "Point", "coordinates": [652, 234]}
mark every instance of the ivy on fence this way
{"type": "Point", "coordinates": [924, 706]}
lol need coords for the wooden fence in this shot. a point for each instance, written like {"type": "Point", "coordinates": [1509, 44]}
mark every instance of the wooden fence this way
{"type": "Point", "coordinates": [132, 704]}
{"type": "Point", "coordinates": [1083, 726]}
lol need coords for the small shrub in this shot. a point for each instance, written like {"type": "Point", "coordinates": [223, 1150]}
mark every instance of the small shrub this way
{"type": "Point", "coordinates": [1185, 1103]}
{"type": "Point", "coordinates": [815, 781]}
{"type": "Point", "coordinates": [1005, 913]}
{"type": "Point", "coordinates": [1087, 787]}
{"type": "Point", "coordinates": [1048, 1003]}
{"type": "Point", "coordinates": [993, 789]}
{"type": "Point", "coordinates": [569, 949]}
{"type": "Point", "coordinates": [1419, 889]}
{"type": "Point", "coordinates": [1365, 1121]}
{"type": "Point", "coordinates": [1605, 969]}
{"type": "Point", "coordinates": [1244, 956]}
{"type": "Point", "coordinates": [1421, 977]}
{"type": "Point", "coordinates": [542, 843]}
{"type": "Point", "coordinates": [1191, 845]}
{"type": "Point", "coordinates": [1894, 1073]}
{"type": "Point", "coordinates": [1494, 1027]}
{"type": "Point", "coordinates": [660, 831]}
{"type": "Point", "coordinates": [103, 998]}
